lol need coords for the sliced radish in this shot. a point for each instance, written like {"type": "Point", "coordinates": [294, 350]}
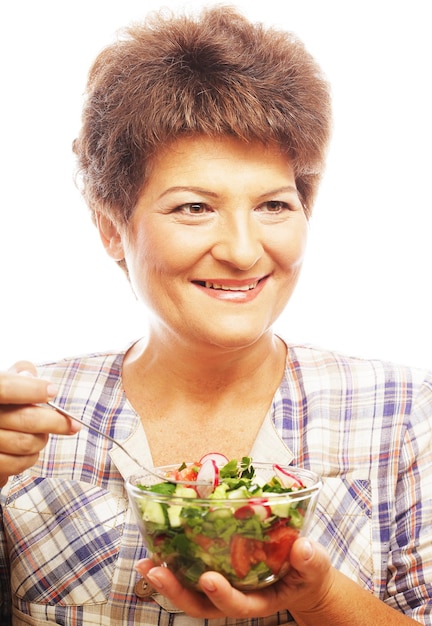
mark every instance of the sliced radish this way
{"type": "Point", "coordinates": [208, 476]}
{"type": "Point", "coordinates": [244, 512]}
{"type": "Point", "coordinates": [256, 507]}
{"type": "Point", "coordinates": [288, 480]}
{"type": "Point", "coordinates": [262, 511]}
{"type": "Point", "coordinates": [261, 508]}
{"type": "Point", "coordinates": [217, 457]}
{"type": "Point", "coordinates": [258, 500]}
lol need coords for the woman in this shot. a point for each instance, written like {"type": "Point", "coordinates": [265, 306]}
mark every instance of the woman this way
{"type": "Point", "coordinates": [202, 146]}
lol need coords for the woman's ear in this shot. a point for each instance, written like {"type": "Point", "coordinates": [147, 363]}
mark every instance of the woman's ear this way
{"type": "Point", "coordinates": [110, 236]}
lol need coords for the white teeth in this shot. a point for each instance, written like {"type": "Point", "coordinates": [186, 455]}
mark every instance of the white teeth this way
{"type": "Point", "coordinates": [229, 288]}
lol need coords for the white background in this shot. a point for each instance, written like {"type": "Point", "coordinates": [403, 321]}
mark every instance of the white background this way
{"type": "Point", "coordinates": [365, 287]}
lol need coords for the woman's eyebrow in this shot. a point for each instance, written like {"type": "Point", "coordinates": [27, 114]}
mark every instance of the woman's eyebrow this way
{"type": "Point", "coordinates": [188, 188]}
{"type": "Point", "coordinates": [212, 194]}
{"type": "Point", "coordinates": [284, 189]}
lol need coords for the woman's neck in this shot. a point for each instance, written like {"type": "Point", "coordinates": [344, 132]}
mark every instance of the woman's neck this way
{"type": "Point", "coordinates": [200, 371]}
{"type": "Point", "coordinates": [195, 401]}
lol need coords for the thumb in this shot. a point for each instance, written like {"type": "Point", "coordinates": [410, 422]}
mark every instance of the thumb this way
{"type": "Point", "coordinates": [310, 560]}
{"type": "Point", "coordinates": [25, 368]}
{"type": "Point", "coordinates": [21, 385]}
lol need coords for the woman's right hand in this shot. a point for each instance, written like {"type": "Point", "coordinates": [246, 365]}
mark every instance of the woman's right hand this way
{"type": "Point", "coordinates": [24, 427]}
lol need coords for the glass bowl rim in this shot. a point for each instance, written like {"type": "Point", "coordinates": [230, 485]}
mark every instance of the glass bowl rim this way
{"type": "Point", "coordinates": [299, 494]}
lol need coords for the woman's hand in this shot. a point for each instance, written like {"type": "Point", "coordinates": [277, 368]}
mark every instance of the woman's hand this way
{"type": "Point", "coordinates": [24, 427]}
{"type": "Point", "coordinates": [307, 585]}
{"type": "Point", "coordinates": [313, 591]}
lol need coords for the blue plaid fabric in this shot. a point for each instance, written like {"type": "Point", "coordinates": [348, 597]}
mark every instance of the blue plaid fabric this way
{"type": "Point", "coordinates": [68, 542]}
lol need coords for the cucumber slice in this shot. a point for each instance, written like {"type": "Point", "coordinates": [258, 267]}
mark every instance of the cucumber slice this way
{"type": "Point", "coordinates": [281, 509]}
{"type": "Point", "coordinates": [174, 515]}
{"type": "Point", "coordinates": [219, 513]}
{"type": "Point", "coordinates": [185, 492]}
{"type": "Point", "coordinates": [240, 492]}
{"type": "Point", "coordinates": [154, 512]}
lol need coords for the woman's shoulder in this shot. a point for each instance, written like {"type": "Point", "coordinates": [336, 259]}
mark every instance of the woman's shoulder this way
{"type": "Point", "coordinates": [315, 360]}
{"type": "Point", "coordinates": [370, 387]}
{"type": "Point", "coordinates": [85, 365]}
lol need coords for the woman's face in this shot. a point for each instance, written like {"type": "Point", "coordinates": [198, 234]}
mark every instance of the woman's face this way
{"type": "Point", "coordinates": [216, 241]}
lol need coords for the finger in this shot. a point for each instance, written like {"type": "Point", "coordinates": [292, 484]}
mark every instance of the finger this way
{"type": "Point", "coordinates": [232, 602]}
{"type": "Point", "coordinates": [143, 566]}
{"type": "Point", "coordinates": [21, 444]}
{"type": "Point", "coordinates": [194, 604]}
{"type": "Point", "coordinates": [309, 560]}
{"type": "Point", "coordinates": [23, 367]}
{"type": "Point", "coordinates": [310, 570]}
{"type": "Point", "coordinates": [36, 420]}
{"type": "Point", "coordinates": [18, 389]}
{"type": "Point", "coordinates": [11, 465]}
{"type": "Point", "coordinates": [220, 599]}
{"type": "Point", "coordinates": [311, 583]}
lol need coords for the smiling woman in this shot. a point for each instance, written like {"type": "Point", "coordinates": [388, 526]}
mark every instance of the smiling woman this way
{"type": "Point", "coordinates": [202, 146]}
{"type": "Point", "coordinates": [368, 251]}
{"type": "Point", "coordinates": [219, 224]}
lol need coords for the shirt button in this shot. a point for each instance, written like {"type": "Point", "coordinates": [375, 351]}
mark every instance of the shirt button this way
{"type": "Point", "coordinates": [143, 589]}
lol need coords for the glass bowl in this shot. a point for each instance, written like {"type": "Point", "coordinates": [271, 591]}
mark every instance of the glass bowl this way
{"type": "Point", "coordinates": [191, 526]}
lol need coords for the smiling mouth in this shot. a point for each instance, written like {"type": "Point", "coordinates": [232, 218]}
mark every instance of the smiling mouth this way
{"type": "Point", "coordinates": [220, 286]}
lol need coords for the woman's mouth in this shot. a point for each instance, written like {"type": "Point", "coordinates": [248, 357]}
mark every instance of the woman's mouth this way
{"type": "Point", "coordinates": [210, 285]}
{"type": "Point", "coordinates": [232, 290]}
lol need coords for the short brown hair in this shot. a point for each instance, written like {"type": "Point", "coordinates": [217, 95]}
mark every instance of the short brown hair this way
{"type": "Point", "coordinates": [215, 74]}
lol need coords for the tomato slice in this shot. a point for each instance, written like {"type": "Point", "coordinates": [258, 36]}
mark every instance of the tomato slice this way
{"type": "Point", "coordinates": [206, 542]}
{"type": "Point", "coordinates": [278, 547]}
{"type": "Point", "coordinates": [188, 474]}
{"type": "Point", "coordinates": [240, 548]}
{"type": "Point", "coordinates": [245, 552]}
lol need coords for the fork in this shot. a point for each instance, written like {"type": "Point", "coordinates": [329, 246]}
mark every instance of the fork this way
{"type": "Point", "coordinates": [71, 416]}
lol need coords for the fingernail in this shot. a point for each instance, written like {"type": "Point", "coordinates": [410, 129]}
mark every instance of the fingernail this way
{"type": "Point", "coordinates": [154, 579]}
{"type": "Point", "coordinates": [141, 563]}
{"type": "Point", "coordinates": [52, 390]}
{"type": "Point", "coordinates": [207, 584]}
{"type": "Point", "coordinates": [26, 373]}
{"type": "Point", "coordinates": [307, 550]}
{"type": "Point", "coordinates": [75, 427]}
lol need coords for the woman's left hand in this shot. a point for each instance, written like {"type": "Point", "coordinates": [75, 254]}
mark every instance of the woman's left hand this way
{"type": "Point", "coordinates": [305, 589]}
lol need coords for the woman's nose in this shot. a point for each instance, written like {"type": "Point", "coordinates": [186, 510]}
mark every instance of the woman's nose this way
{"type": "Point", "coordinates": [239, 243]}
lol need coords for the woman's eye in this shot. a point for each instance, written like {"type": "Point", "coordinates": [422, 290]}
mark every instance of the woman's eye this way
{"type": "Point", "coordinates": [193, 208]}
{"type": "Point", "coordinates": [274, 206]}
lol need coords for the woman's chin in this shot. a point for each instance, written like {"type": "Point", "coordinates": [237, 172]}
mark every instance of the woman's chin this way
{"type": "Point", "coordinates": [234, 338]}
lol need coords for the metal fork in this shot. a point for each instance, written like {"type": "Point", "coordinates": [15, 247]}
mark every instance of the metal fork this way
{"type": "Point", "coordinates": [59, 409]}
{"type": "Point", "coordinates": [71, 416]}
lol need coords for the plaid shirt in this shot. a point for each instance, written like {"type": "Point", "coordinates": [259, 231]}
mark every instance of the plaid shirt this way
{"type": "Point", "coordinates": [68, 543]}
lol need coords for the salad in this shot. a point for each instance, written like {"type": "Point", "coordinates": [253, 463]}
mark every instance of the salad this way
{"type": "Point", "coordinates": [224, 515]}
